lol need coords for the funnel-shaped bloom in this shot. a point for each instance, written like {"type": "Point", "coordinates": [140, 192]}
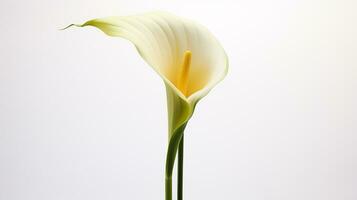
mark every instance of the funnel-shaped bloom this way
{"type": "Point", "coordinates": [183, 53]}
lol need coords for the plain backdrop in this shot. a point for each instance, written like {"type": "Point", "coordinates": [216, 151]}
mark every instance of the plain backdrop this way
{"type": "Point", "coordinates": [83, 117]}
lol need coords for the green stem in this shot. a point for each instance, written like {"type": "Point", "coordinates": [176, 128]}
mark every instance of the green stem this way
{"type": "Point", "coordinates": [168, 188]}
{"type": "Point", "coordinates": [172, 149]}
{"type": "Point", "coordinates": [180, 171]}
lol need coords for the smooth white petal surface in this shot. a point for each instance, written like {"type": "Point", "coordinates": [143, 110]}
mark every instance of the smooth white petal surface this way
{"type": "Point", "coordinates": [162, 39]}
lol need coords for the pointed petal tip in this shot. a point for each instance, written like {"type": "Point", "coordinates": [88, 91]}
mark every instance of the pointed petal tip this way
{"type": "Point", "coordinates": [69, 26]}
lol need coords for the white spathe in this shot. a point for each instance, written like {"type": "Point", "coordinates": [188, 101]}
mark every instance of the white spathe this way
{"type": "Point", "coordinates": [163, 40]}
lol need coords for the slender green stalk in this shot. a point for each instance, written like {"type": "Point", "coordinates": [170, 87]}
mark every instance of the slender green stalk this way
{"type": "Point", "coordinates": [180, 170]}
{"type": "Point", "coordinates": [172, 150]}
{"type": "Point", "coordinates": [168, 188]}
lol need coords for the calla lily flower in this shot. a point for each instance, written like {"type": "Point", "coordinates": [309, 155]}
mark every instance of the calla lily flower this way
{"type": "Point", "coordinates": [187, 57]}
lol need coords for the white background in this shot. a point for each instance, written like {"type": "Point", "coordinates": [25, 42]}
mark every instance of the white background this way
{"type": "Point", "coordinates": [83, 117]}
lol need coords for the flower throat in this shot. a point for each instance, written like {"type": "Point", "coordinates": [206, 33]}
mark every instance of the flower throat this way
{"type": "Point", "coordinates": [182, 83]}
